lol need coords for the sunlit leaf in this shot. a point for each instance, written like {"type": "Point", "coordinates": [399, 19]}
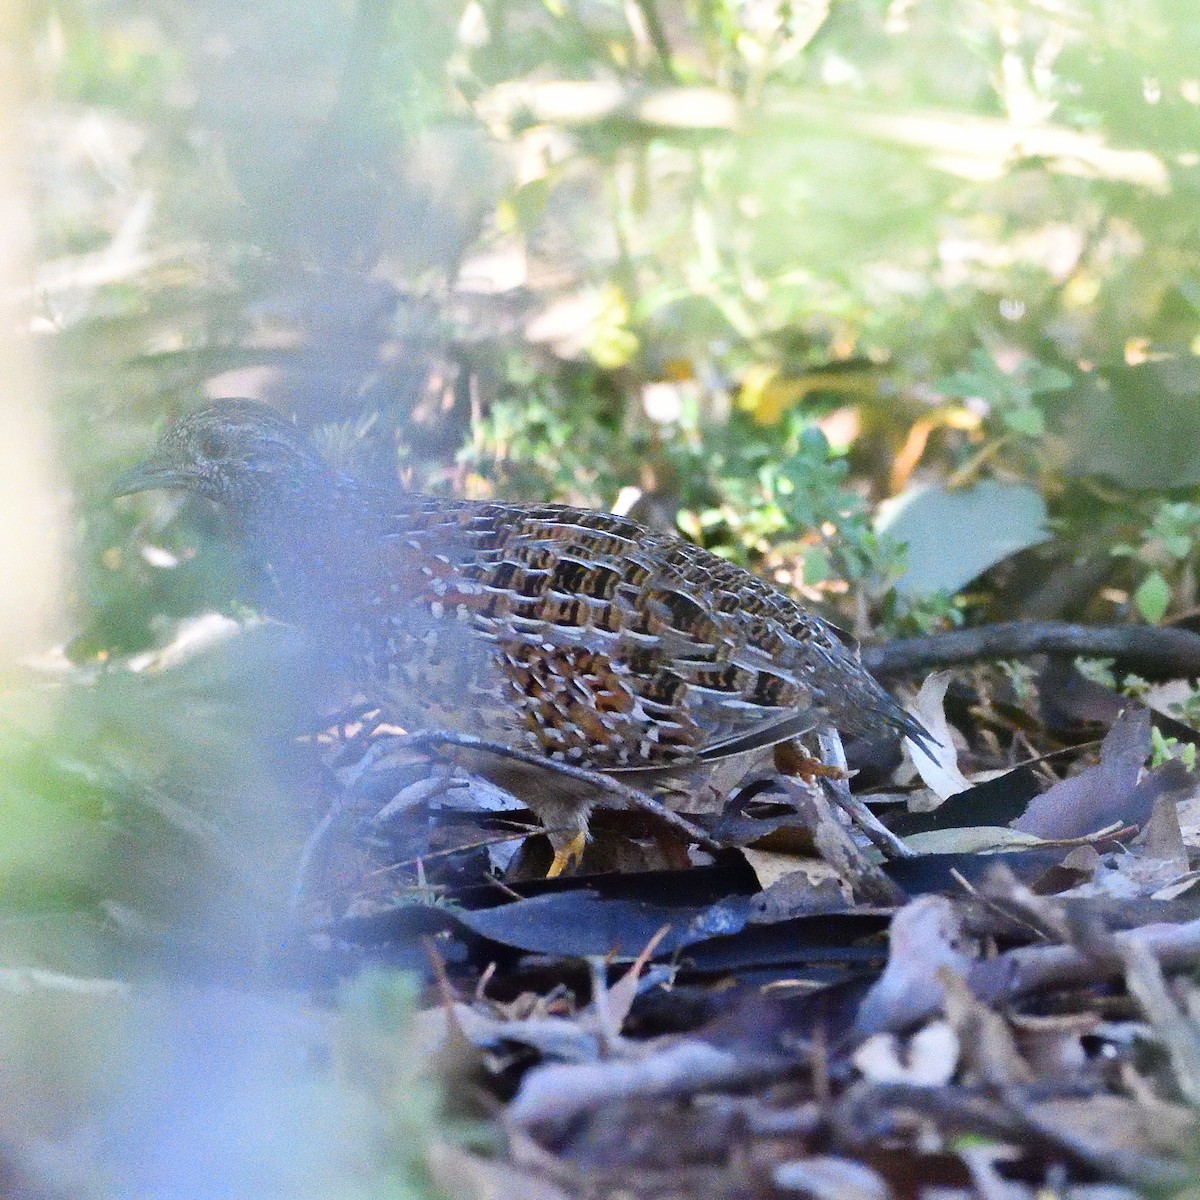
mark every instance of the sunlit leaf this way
{"type": "Point", "coordinates": [981, 839]}
{"type": "Point", "coordinates": [1153, 597]}
{"type": "Point", "coordinates": [816, 566]}
{"type": "Point", "coordinates": [1028, 421]}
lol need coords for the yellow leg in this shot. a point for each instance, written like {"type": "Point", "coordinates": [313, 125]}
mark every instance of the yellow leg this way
{"type": "Point", "coordinates": [567, 855]}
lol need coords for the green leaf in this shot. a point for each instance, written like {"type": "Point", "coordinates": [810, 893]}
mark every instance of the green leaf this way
{"type": "Point", "coordinates": [1152, 597]}
{"type": "Point", "coordinates": [1138, 425]}
{"type": "Point", "coordinates": [1028, 421]}
{"type": "Point", "coordinates": [815, 565]}
{"type": "Point", "coordinates": [1040, 378]}
{"type": "Point", "coordinates": [955, 536]}
{"type": "Point", "coordinates": [983, 379]}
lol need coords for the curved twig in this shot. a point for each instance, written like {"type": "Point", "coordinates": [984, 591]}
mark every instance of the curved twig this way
{"type": "Point", "coordinates": [1152, 650]}
{"type": "Point", "coordinates": [625, 796]}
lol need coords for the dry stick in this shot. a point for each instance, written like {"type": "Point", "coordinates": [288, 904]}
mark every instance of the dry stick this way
{"type": "Point", "coordinates": [833, 755]}
{"type": "Point", "coordinates": [312, 845]}
{"type": "Point", "coordinates": [630, 797]}
{"type": "Point", "coordinates": [462, 847]}
{"type": "Point", "coordinates": [1009, 1118]}
{"type": "Point", "coordinates": [315, 842]}
{"type": "Point", "coordinates": [1027, 969]}
{"type": "Point", "coordinates": [434, 739]}
{"type": "Point", "coordinates": [833, 842]}
{"type": "Point", "coordinates": [1152, 650]}
{"type": "Point", "coordinates": [1018, 972]}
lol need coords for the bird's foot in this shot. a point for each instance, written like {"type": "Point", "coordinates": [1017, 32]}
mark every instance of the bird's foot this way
{"type": "Point", "coordinates": [618, 794]}
{"type": "Point", "coordinates": [567, 855]}
{"type": "Point", "coordinates": [790, 759]}
{"type": "Point", "coordinates": [837, 786]}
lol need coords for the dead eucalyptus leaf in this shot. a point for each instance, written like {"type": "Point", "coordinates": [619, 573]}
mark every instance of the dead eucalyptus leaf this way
{"type": "Point", "coordinates": [926, 937]}
{"type": "Point", "coordinates": [1099, 795]}
{"type": "Point", "coordinates": [978, 839]}
{"type": "Point", "coordinates": [937, 765]}
{"type": "Point", "coordinates": [927, 1059]}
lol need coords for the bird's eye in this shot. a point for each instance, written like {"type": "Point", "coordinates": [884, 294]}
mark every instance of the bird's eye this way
{"type": "Point", "coordinates": [212, 445]}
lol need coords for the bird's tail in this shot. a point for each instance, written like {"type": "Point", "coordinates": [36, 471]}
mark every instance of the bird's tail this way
{"type": "Point", "coordinates": [865, 708]}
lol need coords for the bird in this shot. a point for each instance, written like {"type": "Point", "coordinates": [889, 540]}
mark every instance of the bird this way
{"type": "Point", "coordinates": [578, 636]}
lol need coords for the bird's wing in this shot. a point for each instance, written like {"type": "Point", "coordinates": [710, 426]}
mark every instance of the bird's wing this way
{"type": "Point", "coordinates": [625, 648]}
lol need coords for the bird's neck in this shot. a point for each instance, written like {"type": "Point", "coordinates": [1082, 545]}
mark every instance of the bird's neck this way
{"type": "Point", "coordinates": [304, 540]}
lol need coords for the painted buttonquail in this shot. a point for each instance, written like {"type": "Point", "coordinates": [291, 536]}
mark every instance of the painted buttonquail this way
{"type": "Point", "coordinates": [577, 635]}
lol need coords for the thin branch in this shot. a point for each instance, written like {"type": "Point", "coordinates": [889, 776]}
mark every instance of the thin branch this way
{"type": "Point", "coordinates": [658, 36]}
{"type": "Point", "coordinates": [1029, 968]}
{"type": "Point", "coordinates": [1153, 651]}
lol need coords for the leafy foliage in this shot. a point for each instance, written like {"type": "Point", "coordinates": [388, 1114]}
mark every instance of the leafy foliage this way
{"type": "Point", "coordinates": [751, 268]}
{"type": "Point", "coordinates": [939, 231]}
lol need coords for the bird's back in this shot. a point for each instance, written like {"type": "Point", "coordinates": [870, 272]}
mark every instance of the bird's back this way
{"type": "Point", "coordinates": [578, 634]}
{"type": "Point", "coordinates": [593, 639]}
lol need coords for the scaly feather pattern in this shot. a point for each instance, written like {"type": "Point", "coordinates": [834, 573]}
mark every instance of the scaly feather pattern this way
{"type": "Point", "coordinates": [577, 634]}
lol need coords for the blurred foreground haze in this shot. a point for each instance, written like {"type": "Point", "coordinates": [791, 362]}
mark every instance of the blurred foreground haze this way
{"type": "Point", "coordinates": [753, 268]}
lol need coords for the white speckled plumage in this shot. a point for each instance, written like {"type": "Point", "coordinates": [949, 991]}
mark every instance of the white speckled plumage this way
{"type": "Point", "coordinates": [580, 635]}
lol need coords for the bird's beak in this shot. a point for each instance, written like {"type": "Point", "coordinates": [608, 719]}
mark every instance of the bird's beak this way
{"type": "Point", "coordinates": [148, 475]}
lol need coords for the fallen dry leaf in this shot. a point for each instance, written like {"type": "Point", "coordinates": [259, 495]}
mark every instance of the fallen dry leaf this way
{"type": "Point", "coordinates": [928, 1059]}
{"type": "Point", "coordinates": [926, 936]}
{"type": "Point", "coordinates": [466, 1176]}
{"type": "Point", "coordinates": [557, 1093]}
{"type": "Point", "coordinates": [938, 764]}
{"type": "Point", "coordinates": [978, 839]}
{"type": "Point", "coordinates": [1099, 796]}
{"type": "Point", "coordinates": [825, 1177]}
{"type": "Point", "coordinates": [769, 868]}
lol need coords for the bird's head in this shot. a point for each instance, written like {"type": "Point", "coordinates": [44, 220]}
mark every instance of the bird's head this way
{"type": "Point", "coordinates": [239, 453]}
